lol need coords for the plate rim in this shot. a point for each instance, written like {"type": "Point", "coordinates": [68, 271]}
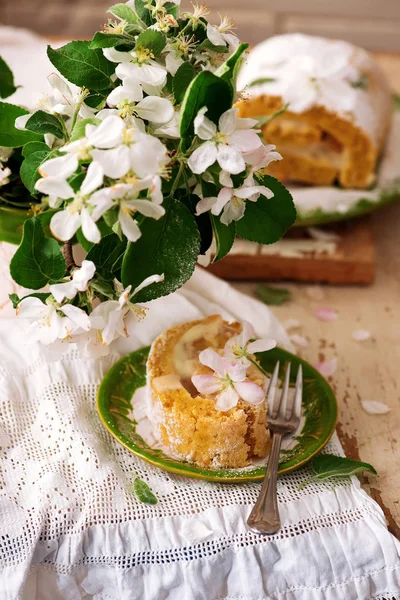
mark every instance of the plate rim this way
{"type": "Point", "coordinates": [184, 469]}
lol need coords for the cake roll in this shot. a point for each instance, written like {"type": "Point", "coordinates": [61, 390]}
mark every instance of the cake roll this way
{"type": "Point", "coordinates": [188, 423]}
{"type": "Point", "coordinates": [338, 108]}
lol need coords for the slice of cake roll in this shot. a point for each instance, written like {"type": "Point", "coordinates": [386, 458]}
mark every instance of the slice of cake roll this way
{"type": "Point", "coordinates": [339, 108]}
{"type": "Point", "coordinates": [189, 423]}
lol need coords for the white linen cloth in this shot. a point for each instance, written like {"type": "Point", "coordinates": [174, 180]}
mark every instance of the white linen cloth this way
{"type": "Point", "coordinates": [71, 527]}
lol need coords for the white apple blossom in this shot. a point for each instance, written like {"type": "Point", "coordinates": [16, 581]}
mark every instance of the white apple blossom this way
{"type": "Point", "coordinates": [4, 175]}
{"type": "Point", "coordinates": [173, 59]}
{"type": "Point", "coordinates": [170, 129]}
{"type": "Point", "coordinates": [120, 148]}
{"type": "Point", "coordinates": [128, 99]}
{"type": "Point", "coordinates": [262, 157]}
{"type": "Point", "coordinates": [65, 223]}
{"type": "Point", "coordinates": [228, 382]}
{"type": "Point", "coordinates": [238, 347]}
{"type": "Point", "coordinates": [125, 196]}
{"type": "Point", "coordinates": [108, 318]}
{"type": "Point", "coordinates": [50, 321]}
{"type": "Point", "coordinates": [200, 11]}
{"type": "Point", "coordinates": [221, 35]}
{"type": "Point", "coordinates": [232, 202]}
{"type": "Point", "coordinates": [228, 145]}
{"type": "Point", "coordinates": [61, 101]}
{"type": "Point", "coordinates": [54, 174]}
{"type": "Point", "coordinates": [164, 22]}
{"type": "Point", "coordinates": [78, 283]}
{"type": "Point", "coordinates": [139, 66]}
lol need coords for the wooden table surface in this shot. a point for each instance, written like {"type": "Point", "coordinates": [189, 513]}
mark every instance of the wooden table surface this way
{"type": "Point", "coordinates": [367, 370]}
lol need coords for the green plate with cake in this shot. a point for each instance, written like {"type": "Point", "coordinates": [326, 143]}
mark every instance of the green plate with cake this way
{"type": "Point", "coordinates": [126, 407]}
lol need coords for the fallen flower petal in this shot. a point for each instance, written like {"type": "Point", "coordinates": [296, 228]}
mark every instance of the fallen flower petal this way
{"type": "Point", "coordinates": [299, 340]}
{"type": "Point", "coordinates": [326, 314]}
{"type": "Point", "coordinates": [315, 292]}
{"type": "Point", "coordinates": [375, 408]}
{"type": "Point", "coordinates": [292, 324]}
{"type": "Point", "coordinates": [327, 367]}
{"type": "Point", "coordinates": [361, 335]}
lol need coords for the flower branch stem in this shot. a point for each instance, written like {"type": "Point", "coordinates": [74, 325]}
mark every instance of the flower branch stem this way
{"type": "Point", "coordinates": [65, 131]}
{"type": "Point", "coordinates": [69, 256]}
{"type": "Point", "coordinates": [258, 366]}
{"type": "Point", "coordinates": [177, 179]}
{"type": "Point", "coordinates": [77, 109]}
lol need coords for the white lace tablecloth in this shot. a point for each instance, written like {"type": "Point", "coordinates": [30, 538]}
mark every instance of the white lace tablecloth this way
{"type": "Point", "coordinates": [71, 527]}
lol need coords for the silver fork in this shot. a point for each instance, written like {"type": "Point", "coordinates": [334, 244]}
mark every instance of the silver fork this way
{"type": "Point", "coordinates": [283, 417]}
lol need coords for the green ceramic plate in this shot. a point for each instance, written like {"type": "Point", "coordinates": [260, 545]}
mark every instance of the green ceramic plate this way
{"type": "Point", "coordinates": [362, 207]}
{"type": "Point", "coordinates": [114, 403]}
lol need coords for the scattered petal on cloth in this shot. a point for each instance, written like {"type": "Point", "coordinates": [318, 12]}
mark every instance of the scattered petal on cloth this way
{"type": "Point", "coordinates": [299, 340]}
{"type": "Point", "coordinates": [361, 335]}
{"type": "Point", "coordinates": [315, 292]}
{"type": "Point", "coordinates": [327, 367]}
{"type": "Point", "coordinates": [292, 324]}
{"type": "Point", "coordinates": [375, 408]}
{"type": "Point", "coordinates": [324, 313]}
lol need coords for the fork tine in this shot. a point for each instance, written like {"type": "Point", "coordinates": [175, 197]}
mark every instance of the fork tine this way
{"type": "Point", "coordinates": [271, 394]}
{"type": "Point", "coordinates": [298, 394]}
{"type": "Point", "coordinates": [285, 393]}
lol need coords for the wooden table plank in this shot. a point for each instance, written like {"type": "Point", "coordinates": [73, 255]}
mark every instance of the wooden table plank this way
{"type": "Point", "coordinates": [366, 370]}
{"type": "Point", "coordinates": [351, 261]}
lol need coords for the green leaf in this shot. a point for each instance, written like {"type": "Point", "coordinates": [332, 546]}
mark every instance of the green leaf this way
{"type": "Point", "coordinates": [172, 8]}
{"type": "Point", "coordinates": [38, 259]}
{"type": "Point", "coordinates": [86, 245]}
{"type": "Point", "coordinates": [169, 246]}
{"type": "Point", "coordinates": [9, 135]}
{"type": "Point", "coordinates": [266, 220]}
{"type": "Point", "coordinates": [273, 296]}
{"type": "Point", "coordinates": [7, 87]}
{"type": "Point", "coordinates": [224, 236]}
{"type": "Point", "coordinates": [29, 168]}
{"type": "Point", "coordinates": [229, 69]}
{"type": "Point", "coordinates": [261, 80]}
{"type": "Point", "coordinates": [105, 288]}
{"type": "Point", "coordinates": [202, 221]}
{"type": "Point", "coordinates": [143, 12]}
{"type": "Point", "coordinates": [97, 99]}
{"type": "Point", "coordinates": [264, 119]}
{"type": "Point", "coordinates": [107, 255]}
{"type": "Point", "coordinates": [82, 66]}
{"type": "Point", "coordinates": [78, 131]}
{"type": "Point", "coordinates": [396, 102]}
{"type": "Point", "coordinates": [207, 45]}
{"type": "Point", "coordinates": [182, 78]}
{"type": "Point", "coordinates": [43, 122]}
{"type": "Point", "coordinates": [152, 40]}
{"type": "Point", "coordinates": [124, 12]}
{"type": "Point", "coordinates": [362, 82]}
{"type": "Point", "coordinates": [110, 40]}
{"type": "Point", "coordinates": [31, 147]}
{"type": "Point", "coordinates": [16, 300]}
{"type": "Point", "coordinates": [329, 465]}
{"type": "Point", "coordinates": [143, 492]}
{"type": "Point", "coordinates": [206, 89]}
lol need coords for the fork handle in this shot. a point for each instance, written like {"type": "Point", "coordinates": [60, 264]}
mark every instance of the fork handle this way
{"type": "Point", "coordinates": [264, 518]}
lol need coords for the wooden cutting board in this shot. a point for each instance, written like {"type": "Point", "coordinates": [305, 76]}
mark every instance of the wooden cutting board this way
{"type": "Point", "coordinates": [346, 256]}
